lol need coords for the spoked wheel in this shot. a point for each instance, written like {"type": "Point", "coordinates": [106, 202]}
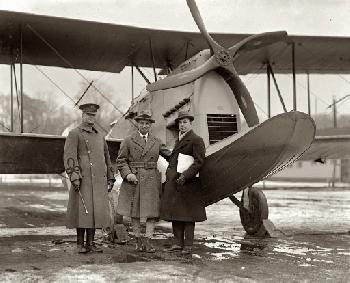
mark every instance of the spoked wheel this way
{"type": "Point", "coordinates": [252, 220]}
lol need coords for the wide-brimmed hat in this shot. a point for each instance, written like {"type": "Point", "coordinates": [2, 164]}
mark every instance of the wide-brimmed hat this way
{"type": "Point", "coordinates": [89, 108]}
{"type": "Point", "coordinates": [144, 115]}
{"type": "Point", "coordinates": [184, 114]}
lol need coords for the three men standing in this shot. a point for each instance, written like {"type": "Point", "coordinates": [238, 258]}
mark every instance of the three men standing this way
{"type": "Point", "coordinates": [87, 162]}
{"type": "Point", "coordinates": [141, 187]}
{"type": "Point", "coordinates": [88, 165]}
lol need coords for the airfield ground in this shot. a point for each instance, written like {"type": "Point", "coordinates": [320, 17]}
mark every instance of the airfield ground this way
{"type": "Point", "coordinates": [314, 243]}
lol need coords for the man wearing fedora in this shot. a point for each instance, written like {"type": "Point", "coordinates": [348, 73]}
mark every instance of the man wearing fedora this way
{"type": "Point", "coordinates": [140, 190]}
{"type": "Point", "coordinates": [181, 203]}
{"type": "Point", "coordinates": [88, 165]}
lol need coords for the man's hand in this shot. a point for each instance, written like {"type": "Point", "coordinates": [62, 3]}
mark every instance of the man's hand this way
{"type": "Point", "coordinates": [181, 180]}
{"type": "Point", "coordinates": [132, 178]}
{"type": "Point", "coordinates": [76, 184]}
{"type": "Point", "coordinates": [110, 185]}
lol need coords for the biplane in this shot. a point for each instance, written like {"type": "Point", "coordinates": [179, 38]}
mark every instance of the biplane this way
{"type": "Point", "coordinates": [201, 75]}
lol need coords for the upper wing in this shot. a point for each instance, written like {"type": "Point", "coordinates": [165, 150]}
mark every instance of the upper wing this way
{"type": "Point", "coordinates": [37, 154]}
{"type": "Point", "coordinates": [329, 144]}
{"type": "Point", "coordinates": [68, 43]}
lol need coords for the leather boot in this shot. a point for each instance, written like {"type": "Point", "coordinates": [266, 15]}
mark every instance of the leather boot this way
{"type": "Point", "coordinates": [94, 247]}
{"type": "Point", "coordinates": [80, 241]}
{"type": "Point", "coordinates": [139, 245]}
{"type": "Point", "coordinates": [148, 246]}
{"type": "Point", "coordinates": [89, 237]}
{"type": "Point", "coordinates": [187, 250]}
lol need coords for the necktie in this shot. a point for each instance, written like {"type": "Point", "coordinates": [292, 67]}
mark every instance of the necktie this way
{"type": "Point", "coordinates": [145, 139]}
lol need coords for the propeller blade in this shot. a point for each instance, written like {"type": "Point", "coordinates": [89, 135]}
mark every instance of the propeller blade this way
{"type": "Point", "coordinates": [185, 77]}
{"type": "Point", "coordinates": [214, 46]}
{"type": "Point", "coordinates": [257, 41]}
{"type": "Point", "coordinates": [242, 95]}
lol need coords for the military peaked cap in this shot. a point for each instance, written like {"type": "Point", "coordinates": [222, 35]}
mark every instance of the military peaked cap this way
{"type": "Point", "coordinates": [90, 108]}
{"type": "Point", "coordinates": [145, 115]}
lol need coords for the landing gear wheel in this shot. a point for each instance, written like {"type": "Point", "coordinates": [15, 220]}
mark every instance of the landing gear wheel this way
{"type": "Point", "coordinates": [252, 220]}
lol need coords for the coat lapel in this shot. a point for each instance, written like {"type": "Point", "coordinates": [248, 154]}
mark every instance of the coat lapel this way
{"type": "Point", "coordinates": [136, 138]}
{"type": "Point", "coordinates": [150, 142]}
{"type": "Point", "coordinates": [180, 144]}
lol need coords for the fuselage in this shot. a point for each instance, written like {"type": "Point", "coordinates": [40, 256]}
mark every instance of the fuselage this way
{"type": "Point", "coordinates": [209, 99]}
{"type": "Point", "coordinates": [235, 158]}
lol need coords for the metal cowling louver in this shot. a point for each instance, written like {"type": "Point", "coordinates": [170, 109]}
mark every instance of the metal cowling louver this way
{"type": "Point", "coordinates": [221, 126]}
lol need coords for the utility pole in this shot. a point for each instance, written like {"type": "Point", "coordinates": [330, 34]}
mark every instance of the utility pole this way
{"type": "Point", "coordinates": [334, 114]}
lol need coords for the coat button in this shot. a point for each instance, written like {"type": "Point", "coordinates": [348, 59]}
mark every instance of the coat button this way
{"type": "Point", "coordinates": [89, 151]}
{"type": "Point", "coordinates": [91, 164]}
{"type": "Point", "coordinates": [87, 141]}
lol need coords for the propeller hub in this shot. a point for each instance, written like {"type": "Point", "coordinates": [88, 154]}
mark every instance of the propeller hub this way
{"type": "Point", "coordinates": [223, 57]}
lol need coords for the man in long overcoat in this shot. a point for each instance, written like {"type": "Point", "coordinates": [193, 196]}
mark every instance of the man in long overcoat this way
{"type": "Point", "coordinates": [181, 202]}
{"type": "Point", "coordinates": [141, 187]}
{"type": "Point", "coordinates": [88, 165]}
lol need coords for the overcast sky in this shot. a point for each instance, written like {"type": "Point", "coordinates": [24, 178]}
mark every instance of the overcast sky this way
{"type": "Point", "coordinates": [311, 17]}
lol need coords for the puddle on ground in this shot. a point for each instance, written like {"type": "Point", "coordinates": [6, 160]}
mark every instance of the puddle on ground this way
{"type": "Point", "coordinates": [127, 258]}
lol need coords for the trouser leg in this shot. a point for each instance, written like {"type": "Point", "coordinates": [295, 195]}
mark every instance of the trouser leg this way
{"type": "Point", "coordinates": [89, 236]}
{"type": "Point", "coordinates": [189, 233]}
{"type": "Point", "coordinates": [80, 236]}
{"type": "Point", "coordinates": [93, 235]}
{"type": "Point", "coordinates": [90, 245]}
{"type": "Point", "coordinates": [136, 226]}
{"type": "Point", "coordinates": [150, 225]}
{"type": "Point", "coordinates": [178, 231]}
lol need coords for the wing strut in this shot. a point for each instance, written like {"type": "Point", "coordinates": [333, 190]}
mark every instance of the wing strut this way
{"type": "Point", "coordinates": [270, 71]}
{"type": "Point", "coordinates": [21, 76]}
{"type": "Point", "coordinates": [294, 79]}
{"type": "Point", "coordinates": [268, 92]}
{"type": "Point", "coordinates": [11, 76]}
{"type": "Point", "coordinates": [153, 62]}
{"type": "Point", "coordinates": [142, 74]}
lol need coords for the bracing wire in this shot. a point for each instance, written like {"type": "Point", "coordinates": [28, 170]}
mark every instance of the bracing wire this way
{"type": "Point", "coordinates": [71, 66]}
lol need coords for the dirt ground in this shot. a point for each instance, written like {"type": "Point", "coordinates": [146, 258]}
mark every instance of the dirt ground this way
{"type": "Point", "coordinates": [313, 244]}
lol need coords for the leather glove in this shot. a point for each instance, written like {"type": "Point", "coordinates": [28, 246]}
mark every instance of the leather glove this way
{"type": "Point", "coordinates": [110, 185]}
{"type": "Point", "coordinates": [132, 178]}
{"type": "Point", "coordinates": [181, 180]}
{"type": "Point", "coordinates": [76, 184]}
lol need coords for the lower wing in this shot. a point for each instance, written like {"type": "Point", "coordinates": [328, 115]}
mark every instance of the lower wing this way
{"type": "Point", "coordinates": [328, 147]}
{"type": "Point", "coordinates": [37, 154]}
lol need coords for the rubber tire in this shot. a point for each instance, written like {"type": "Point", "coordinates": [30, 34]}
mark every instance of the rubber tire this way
{"type": "Point", "coordinates": [259, 211]}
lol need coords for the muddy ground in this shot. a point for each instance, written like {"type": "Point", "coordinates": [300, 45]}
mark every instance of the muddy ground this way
{"type": "Point", "coordinates": [313, 243]}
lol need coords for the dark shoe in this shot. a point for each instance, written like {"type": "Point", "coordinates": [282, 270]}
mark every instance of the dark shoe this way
{"type": "Point", "coordinates": [187, 250]}
{"type": "Point", "coordinates": [88, 248]}
{"type": "Point", "coordinates": [96, 249]}
{"type": "Point", "coordinates": [173, 248]}
{"type": "Point", "coordinates": [139, 245]}
{"type": "Point", "coordinates": [148, 248]}
{"type": "Point", "coordinates": [81, 249]}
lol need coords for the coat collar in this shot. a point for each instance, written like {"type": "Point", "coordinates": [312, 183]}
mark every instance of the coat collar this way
{"type": "Point", "coordinates": [136, 138]}
{"type": "Point", "coordinates": [87, 128]}
{"type": "Point", "coordinates": [150, 142]}
{"type": "Point", "coordinates": [187, 137]}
